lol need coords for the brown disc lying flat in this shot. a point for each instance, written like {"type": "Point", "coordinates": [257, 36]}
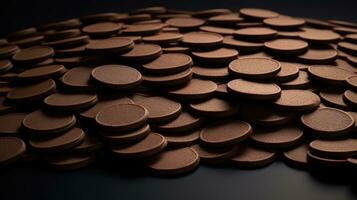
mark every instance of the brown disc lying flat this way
{"type": "Point", "coordinates": [169, 63]}
{"type": "Point", "coordinates": [202, 39]}
{"type": "Point", "coordinates": [352, 81]}
{"type": "Point", "coordinates": [221, 55]}
{"type": "Point", "coordinates": [78, 79]}
{"type": "Point", "coordinates": [163, 38]}
{"type": "Point", "coordinates": [32, 92]}
{"type": "Point", "coordinates": [256, 33]}
{"type": "Point", "coordinates": [121, 117]}
{"type": "Point", "coordinates": [175, 161]}
{"type": "Point", "coordinates": [297, 156]}
{"type": "Point", "coordinates": [257, 13]}
{"type": "Point", "coordinates": [328, 122]}
{"type": "Point", "coordinates": [110, 45]}
{"type": "Point", "coordinates": [184, 122]}
{"type": "Point", "coordinates": [282, 137]}
{"type": "Point", "coordinates": [301, 82]}
{"type": "Point", "coordinates": [334, 148]}
{"type": "Point", "coordinates": [93, 111]}
{"type": "Point", "coordinates": [183, 139]}
{"type": "Point", "coordinates": [185, 23]}
{"type": "Point", "coordinates": [70, 162]}
{"type": "Point", "coordinates": [212, 155]}
{"type": "Point", "coordinates": [142, 29]}
{"type": "Point", "coordinates": [44, 123]}
{"type": "Point", "coordinates": [195, 89]}
{"type": "Point", "coordinates": [116, 76]}
{"type": "Point", "coordinates": [69, 101]}
{"type": "Point", "coordinates": [288, 71]}
{"type": "Point", "coordinates": [334, 97]}
{"type": "Point", "coordinates": [62, 142]}
{"type": "Point", "coordinates": [162, 80]}
{"type": "Point", "coordinates": [329, 75]}
{"type": "Point", "coordinates": [254, 68]}
{"type": "Point", "coordinates": [254, 90]}
{"type": "Point", "coordinates": [123, 137]}
{"type": "Point", "coordinates": [251, 157]}
{"type": "Point", "coordinates": [297, 100]}
{"type": "Point", "coordinates": [42, 73]}
{"type": "Point", "coordinates": [150, 145]}
{"type": "Point", "coordinates": [211, 73]}
{"type": "Point", "coordinates": [319, 56]}
{"type": "Point", "coordinates": [350, 97]}
{"type": "Point", "coordinates": [11, 123]}
{"type": "Point", "coordinates": [219, 30]}
{"type": "Point", "coordinates": [225, 133]}
{"type": "Point", "coordinates": [160, 109]}
{"type": "Point", "coordinates": [102, 29]}
{"type": "Point", "coordinates": [33, 55]}
{"type": "Point", "coordinates": [142, 53]}
{"type": "Point", "coordinates": [11, 149]}
{"type": "Point", "coordinates": [286, 46]}
{"type": "Point", "coordinates": [284, 23]}
{"type": "Point", "coordinates": [215, 107]}
{"type": "Point", "coordinates": [320, 36]}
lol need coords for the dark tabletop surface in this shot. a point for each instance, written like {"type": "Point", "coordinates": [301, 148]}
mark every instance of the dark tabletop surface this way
{"type": "Point", "coordinates": [111, 180]}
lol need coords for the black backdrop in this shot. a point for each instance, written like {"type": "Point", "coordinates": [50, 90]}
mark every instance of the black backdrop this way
{"type": "Point", "coordinates": [115, 181]}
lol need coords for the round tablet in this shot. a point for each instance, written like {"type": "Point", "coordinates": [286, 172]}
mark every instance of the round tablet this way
{"type": "Point", "coordinates": [33, 55]}
{"type": "Point", "coordinates": [214, 155]}
{"type": "Point", "coordinates": [195, 89]}
{"type": "Point", "coordinates": [350, 97]}
{"type": "Point", "coordinates": [169, 63]}
{"type": "Point", "coordinates": [320, 37]}
{"type": "Point", "coordinates": [286, 46]}
{"type": "Point", "coordinates": [110, 45]}
{"type": "Point", "coordinates": [211, 73]}
{"type": "Point", "coordinates": [142, 29]}
{"type": "Point", "coordinates": [297, 156]}
{"type": "Point", "coordinates": [185, 23]}
{"type": "Point", "coordinates": [183, 139]}
{"type": "Point", "coordinates": [70, 101]}
{"type": "Point", "coordinates": [256, 33]}
{"type": "Point", "coordinates": [300, 82]}
{"type": "Point", "coordinates": [284, 23]}
{"type": "Point", "coordinates": [225, 133]}
{"type": "Point", "coordinates": [220, 55]}
{"type": "Point", "coordinates": [116, 76]}
{"type": "Point", "coordinates": [11, 124]}
{"type": "Point", "coordinates": [263, 115]}
{"type": "Point", "coordinates": [78, 79]}
{"type": "Point", "coordinates": [150, 145]}
{"type": "Point", "coordinates": [124, 137]}
{"type": "Point", "coordinates": [5, 66]}
{"type": "Point", "coordinates": [251, 157]}
{"type": "Point", "coordinates": [176, 161]}
{"type": "Point", "coordinates": [42, 73]}
{"type": "Point", "coordinates": [44, 123]}
{"type": "Point", "coordinates": [254, 90]}
{"type": "Point", "coordinates": [328, 122]}
{"type": "Point", "coordinates": [254, 68]}
{"type": "Point", "coordinates": [319, 56]}
{"type": "Point", "coordinates": [142, 53]}
{"type": "Point", "coordinates": [288, 71]}
{"type": "Point", "coordinates": [282, 137]}
{"type": "Point", "coordinates": [257, 13]}
{"type": "Point", "coordinates": [215, 107]}
{"type": "Point", "coordinates": [334, 97]}
{"type": "Point", "coordinates": [352, 81]}
{"type": "Point", "coordinates": [11, 149]}
{"type": "Point", "coordinates": [297, 100]}
{"type": "Point", "coordinates": [164, 80]}
{"type": "Point", "coordinates": [70, 162]}
{"type": "Point", "coordinates": [163, 38]}
{"type": "Point", "coordinates": [242, 45]}
{"type": "Point", "coordinates": [102, 29]}
{"type": "Point", "coordinates": [131, 116]}
{"type": "Point", "coordinates": [334, 148]}
{"type": "Point", "coordinates": [184, 122]}
{"type": "Point", "coordinates": [329, 75]}
{"type": "Point", "coordinates": [62, 142]}
{"type": "Point", "coordinates": [226, 19]}
{"type": "Point", "coordinates": [36, 91]}
{"type": "Point", "coordinates": [93, 111]}
{"type": "Point", "coordinates": [202, 39]}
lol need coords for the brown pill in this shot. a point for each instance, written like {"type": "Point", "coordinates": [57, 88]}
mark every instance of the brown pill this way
{"type": "Point", "coordinates": [70, 101]}
{"type": "Point", "coordinates": [110, 45]}
{"type": "Point", "coordinates": [254, 90]}
{"type": "Point", "coordinates": [44, 123]}
{"type": "Point", "coordinates": [257, 13]}
{"type": "Point", "coordinates": [221, 55]}
{"type": "Point", "coordinates": [183, 139]}
{"type": "Point", "coordinates": [32, 92]}
{"type": "Point", "coordinates": [254, 68]}
{"type": "Point", "coordinates": [90, 113]}
{"type": "Point", "coordinates": [185, 23]}
{"type": "Point", "coordinates": [121, 117]}
{"type": "Point", "coordinates": [282, 137]}
{"type": "Point", "coordinates": [176, 161]}
{"type": "Point", "coordinates": [320, 37]}
{"type": "Point", "coordinates": [169, 63]}
{"type": "Point", "coordinates": [102, 29]}
{"type": "Point", "coordinates": [195, 89]}
{"type": "Point", "coordinates": [319, 56]}
{"type": "Point", "coordinates": [329, 75]}
{"type": "Point", "coordinates": [166, 80]}
{"type": "Point", "coordinates": [142, 53]}
{"type": "Point", "coordinates": [284, 23]}
{"type": "Point", "coordinates": [160, 109]}
{"type": "Point", "coordinates": [297, 100]}
{"type": "Point", "coordinates": [202, 39]}
{"type": "Point", "coordinates": [215, 107]}
{"type": "Point", "coordinates": [70, 162]}
{"type": "Point", "coordinates": [42, 73]}
{"type": "Point", "coordinates": [163, 38]}
{"type": "Point", "coordinates": [248, 156]}
{"type": "Point", "coordinates": [214, 155]}
{"type": "Point", "coordinates": [256, 33]}
{"type": "Point", "coordinates": [288, 72]}
{"type": "Point", "coordinates": [33, 55]}
{"type": "Point", "coordinates": [184, 122]}
{"type": "Point", "coordinates": [116, 76]}
{"type": "Point", "coordinates": [334, 97]}
{"type": "Point", "coordinates": [227, 19]}
{"type": "Point", "coordinates": [150, 145]}
{"type": "Point", "coordinates": [62, 142]}
{"type": "Point", "coordinates": [225, 133]}
{"type": "Point", "coordinates": [11, 149]}
{"type": "Point", "coordinates": [334, 148]}
{"type": "Point", "coordinates": [78, 79]}
{"type": "Point", "coordinates": [297, 156]}
{"type": "Point", "coordinates": [328, 122]}
{"type": "Point", "coordinates": [286, 46]}
{"type": "Point", "coordinates": [123, 137]}
{"type": "Point", "coordinates": [11, 123]}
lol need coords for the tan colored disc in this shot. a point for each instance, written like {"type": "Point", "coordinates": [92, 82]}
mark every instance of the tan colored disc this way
{"type": "Point", "coordinates": [254, 90]}
{"type": "Point", "coordinates": [195, 89]}
{"type": "Point", "coordinates": [329, 75]}
{"type": "Point", "coordinates": [185, 23]}
{"type": "Point", "coordinates": [254, 68]}
{"type": "Point", "coordinates": [142, 53]}
{"type": "Point", "coordinates": [256, 33]}
{"type": "Point", "coordinates": [202, 39]}
{"type": "Point", "coordinates": [257, 13]}
{"type": "Point", "coordinates": [286, 46]}
{"type": "Point", "coordinates": [297, 100]}
{"type": "Point", "coordinates": [221, 55]}
{"type": "Point", "coordinates": [184, 122]}
{"type": "Point", "coordinates": [334, 148]}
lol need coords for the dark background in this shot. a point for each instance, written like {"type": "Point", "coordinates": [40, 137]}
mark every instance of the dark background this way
{"type": "Point", "coordinates": [110, 180]}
